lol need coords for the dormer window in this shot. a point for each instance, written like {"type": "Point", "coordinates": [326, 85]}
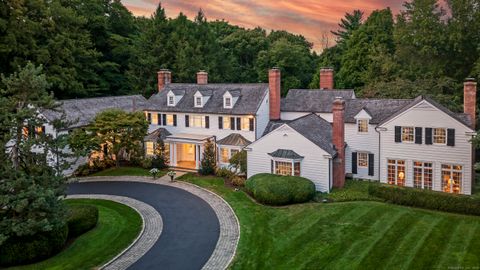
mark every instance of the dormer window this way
{"type": "Point", "coordinates": [171, 100]}
{"type": "Point", "coordinates": [228, 102]}
{"type": "Point", "coordinates": [362, 125]}
{"type": "Point", "coordinates": [198, 102]}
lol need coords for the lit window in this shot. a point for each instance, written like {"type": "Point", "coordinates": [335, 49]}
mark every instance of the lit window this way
{"type": "Point", "coordinates": [224, 158]}
{"type": "Point", "coordinates": [169, 119]}
{"type": "Point", "coordinates": [408, 134]}
{"type": "Point", "coordinates": [362, 125]}
{"type": "Point", "coordinates": [233, 152]}
{"type": "Point", "coordinates": [226, 122]}
{"type": "Point", "coordinates": [154, 118]}
{"type": "Point", "coordinates": [197, 121]}
{"type": "Point", "coordinates": [283, 168]}
{"type": "Point", "coordinates": [149, 118]}
{"type": "Point", "coordinates": [228, 102]}
{"type": "Point", "coordinates": [198, 101]}
{"type": "Point", "coordinates": [396, 172]}
{"type": "Point", "coordinates": [171, 100]}
{"type": "Point", "coordinates": [363, 159]}
{"type": "Point", "coordinates": [422, 175]}
{"type": "Point", "coordinates": [452, 178]}
{"type": "Point", "coordinates": [150, 148]}
{"type": "Point", "coordinates": [439, 136]}
{"type": "Point", "coordinates": [245, 123]}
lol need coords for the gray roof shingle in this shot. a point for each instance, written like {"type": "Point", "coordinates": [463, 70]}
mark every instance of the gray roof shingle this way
{"type": "Point", "coordinates": [378, 109]}
{"type": "Point", "coordinates": [249, 98]}
{"type": "Point", "coordinates": [313, 100]}
{"type": "Point", "coordinates": [80, 112]}
{"type": "Point", "coordinates": [234, 139]}
{"type": "Point", "coordinates": [284, 153]}
{"type": "Point", "coordinates": [156, 134]}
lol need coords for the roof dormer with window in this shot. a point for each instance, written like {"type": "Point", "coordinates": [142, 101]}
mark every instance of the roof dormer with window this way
{"type": "Point", "coordinates": [173, 97]}
{"type": "Point", "coordinates": [229, 98]}
{"type": "Point", "coordinates": [201, 97]}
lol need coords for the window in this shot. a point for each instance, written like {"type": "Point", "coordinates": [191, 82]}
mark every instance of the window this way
{"type": "Point", "coordinates": [171, 100]}
{"type": "Point", "coordinates": [362, 159]}
{"type": "Point", "coordinates": [224, 157]}
{"type": "Point", "coordinates": [422, 175]}
{"type": "Point", "coordinates": [296, 168]}
{"type": "Point", "coordinates": [233, 152]}
{"type": "Point", "coordinates": [198, 101]}
{"type": "Point", "coordinates": [226, 122]}
{"type": "Point", "coordinates": [197, 121]}
{"type": "Point", "coordinates": [408, 134]}
{"type": "Point", "coordinates": [362, 125]}
{"type": "Point", "coordinates": [396, 172]}
{"type": "Point", "coordinates": [245, 123]}
{"type": "Point", "coordinates": [154, 119]}
{"type": "Point", "coordinates": [452, 178]}
{"type": "Point", "coordinates": [150, 149]}
{"type": "Point", "coordinates": [169, 119]}
{"type": "Point", "coordinates": [283, 168]}
{"type": "Point", "coordinates": [228, 102]}
{"type": "Point", "coordinates": [439, 136]}
{"type": "Point", "coordinates": [149, 118]}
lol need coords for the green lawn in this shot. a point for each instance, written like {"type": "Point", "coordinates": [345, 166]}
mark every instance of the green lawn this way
{"type": "Point", "coordinates": [130, 171]}
{"type": "Point", "coordinates": [348, 235]}
{"type": "Point", "coordinates": [117, 227]}
{"type": "Point", "coordinates": [354, 190]}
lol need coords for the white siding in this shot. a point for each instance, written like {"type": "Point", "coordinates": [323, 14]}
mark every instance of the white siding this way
{"type": "Point", "coordinates": [361, 142]}
{"type": "Point", "coordinates": [314, 166]}
{"type": "Point", "coordinates": [263, 116]}
{"type": "Point", "coordinates": [295, 115]}
{"type": "Point", "coordinates": [425, 115]}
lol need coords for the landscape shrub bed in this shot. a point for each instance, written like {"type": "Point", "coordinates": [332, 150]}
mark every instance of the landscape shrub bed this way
{"type": "Point", "coordinates": [427, 199]}
{"type": "Point", "coordinates": [29, 249]}
{"type": "Point", "coordinates": [81, 218]}
{"type": "Point", "coordinates": [280, 190]}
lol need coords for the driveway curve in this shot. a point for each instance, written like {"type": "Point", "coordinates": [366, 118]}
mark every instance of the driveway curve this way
{"type": "Point", "coordinates": [191, 228]}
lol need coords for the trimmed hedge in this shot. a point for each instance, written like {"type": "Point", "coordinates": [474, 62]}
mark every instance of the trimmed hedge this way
{"type": "Point", "coordinates": [274, 189]}
{"type": "Point", "coordinates": [29, 249]}
{"type": "Point", "coordinates": [81, 218]}
{"type": "Point", "coordinates": [427, 199]}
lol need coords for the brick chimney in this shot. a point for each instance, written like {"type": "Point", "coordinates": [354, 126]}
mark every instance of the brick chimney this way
{"type": "Point", "coordinates": [470, 99]}
{"type": "Point", "coordinates": [326, 78]}
{"type": "Point", "coordinates": [274, 79]}
{"type": "Point", "coordinates": [202, 77]}
{"type": "Point", "coordinates": [338, 140]}
{"type": "Point", "coordinates": [164, 77]}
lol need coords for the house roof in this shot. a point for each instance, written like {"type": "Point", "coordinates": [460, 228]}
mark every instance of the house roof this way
{"type": "Point", "coordinates": [313, 100]}
{"type": "Point", "coordinates": [249, 99]}
{"type": "Point", "coordinates": [234, 139]}
{"type": "Point", "coordinates": [156, 134]}
{"type": "Point", "coordinates": [80, 112]}
{"type": "Point", "coordinates": [312, 127]}
{"type": "Point", "coordinates": [378, 109]}
{"type": "Point", "coordinates": [284, 153]}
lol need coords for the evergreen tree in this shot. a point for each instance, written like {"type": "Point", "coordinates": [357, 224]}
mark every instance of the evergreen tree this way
{"type": "Point", "coordinates": [208, 162]}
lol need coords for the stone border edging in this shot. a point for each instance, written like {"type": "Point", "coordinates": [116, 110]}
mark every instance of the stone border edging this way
{"type": "Point", "coordinates": [152, 226]}
{"type": "Point", "coordinates": [229, 236]}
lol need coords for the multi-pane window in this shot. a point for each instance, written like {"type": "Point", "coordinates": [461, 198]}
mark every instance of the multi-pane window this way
{"type": "Point", "coordinates": [245, 123]}
{"type": "Point", "coordinates": [224, 157]}
{"type": "Point", "coordinates": [396, 172]}
{"type": "Point", "coordinates": [228, 102]}
{"type": "Point", "coordinates": [169, 118]}
{"type": "Point", "coordinates": [439, 136]}
{"type": "Point", "coordinates": [362, 125]}
{"type": "Point", "coordinates": [452, 178]}
{"type": "Point", "coordinates": [283, 168]}
{"type": "Point", "coordinates": [296, 168]}
{"type": "Point", "coordinates": [226, 122]}
{"type": "Point", "coordinates": [197, 121]}
{"type": "Point", "coordinates": [154, 119]}
{"type": "Point", "coordinates": [408, 134]}
{"type": "Point", "coordinates": [198, 102]}
{"type": "Point", "coordinates": [150, 148]}
{"type": "Point", "coordinates": [233, 152]}
{"type": "Point", "coordinates": [422, 175]}
{"type": "Point", "coordinates": [362, 159]}
{"type": "Point", "coordinates": [171, 100]}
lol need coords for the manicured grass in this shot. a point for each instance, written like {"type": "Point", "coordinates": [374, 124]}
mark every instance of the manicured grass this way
{"type": "Point", "coordinates": [117, 227]}
{"type": "Point", "coordinates": [355, 190]}
{"type": "Point", "coordinates": [347, 235]}
{"type": "Point", "coordinates": [130, 171]}
{"type": "Point", "coordinates": [476, 190]}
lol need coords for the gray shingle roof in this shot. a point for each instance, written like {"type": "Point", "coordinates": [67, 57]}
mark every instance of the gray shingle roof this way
{"type": "Point", "coordinates": [158, 133]}
{"type": "Point", "coordinates": [249, 100]}
{"type": "Point", "coordinates": [80, 112]}
{"type": "Point", "coordinates": [284, 153]}
{"type": "Point", "coordinates": [312, 127]}
{"type": "Point", "coordinates": [378, 109]}
{"type": "Point", "coordinates": [234, 139]}
{"type": "Point", "coordinates": [312, 100]}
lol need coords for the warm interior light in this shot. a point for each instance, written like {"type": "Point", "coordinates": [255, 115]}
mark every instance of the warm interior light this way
{"type": "Point", "coordinates": [401, 175]}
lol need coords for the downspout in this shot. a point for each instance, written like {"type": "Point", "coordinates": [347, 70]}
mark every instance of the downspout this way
{"type": "Point", "coordinates": [379, 151]}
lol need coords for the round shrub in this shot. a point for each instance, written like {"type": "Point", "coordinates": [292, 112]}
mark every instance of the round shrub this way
{"type": "Point", "coordinates": [280, 190]}
{"type": "Point", "coordinates": [81, 218]}
{"type": "Point", "coordinates": [30, 249]}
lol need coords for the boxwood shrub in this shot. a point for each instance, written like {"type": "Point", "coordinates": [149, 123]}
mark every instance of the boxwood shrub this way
{"type": "Point", "coordinates": [427, 199]}
{"type": "Point", "coordinates": [280, 190]}
{"type": "Point", "coordinates": [29, 249]}
{"type": "Point", "coordinates": [81, 218]}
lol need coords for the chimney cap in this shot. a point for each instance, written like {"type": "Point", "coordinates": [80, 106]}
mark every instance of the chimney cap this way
{"type": "Point", "coordinates": [470, 80]}
{"type": "Point", "coordinates": [201, 71]}
{"type": "Point", "coordinates": [326, 68]}
{"type": "Point", "coordinates": [275, 68]}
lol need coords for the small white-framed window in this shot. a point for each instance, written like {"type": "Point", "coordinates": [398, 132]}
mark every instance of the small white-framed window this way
{"type": "Point", "coordinates": [362, 125]}
{"type": "Point", "coordinates": [171, 100]}
{"type": "Point", "coordinates": [198, 102]}
{"type": "Point", "coordinates": [362, 159]}
{"type": "Point", "coordinates": [228, 102]}
{"type": "Point", "coordinates": [396, 172]}
{"type": "Point", "coordinates": [169, 118]}
{"type": "Point", "coordinates": [287, 167]}
{"type": "Point", "coordinates": [440, 136]}
{"type": "Point", "coordinates": [197, 121]}
{"type": "Point", "coordinates": [150, 149]}
{"type": "Point", "coordinates": [224, 155]}
{"type": "Point", "coordinates": [408, 134]}
{"type": "Point", "coordinates": [227, 122]}
{"type": "Point", "coordinates": [452, 177]}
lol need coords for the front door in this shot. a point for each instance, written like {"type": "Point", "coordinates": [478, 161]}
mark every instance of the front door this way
{"type": "Point", "coordinates": [186, 155]}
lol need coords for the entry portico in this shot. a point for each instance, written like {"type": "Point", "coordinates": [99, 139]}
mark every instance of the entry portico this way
{"type": "Point", "coordinates": [186, 149]}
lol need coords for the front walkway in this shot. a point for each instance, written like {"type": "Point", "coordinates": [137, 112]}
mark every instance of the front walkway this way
{"type": "Point", "coordinates": [229, 235]}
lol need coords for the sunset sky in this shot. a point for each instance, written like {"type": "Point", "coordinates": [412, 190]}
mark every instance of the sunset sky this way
{"type": "Point", "coordinates": [310, 18]}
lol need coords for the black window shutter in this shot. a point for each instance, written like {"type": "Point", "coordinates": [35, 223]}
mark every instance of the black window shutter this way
{"type": "Point", "coordinates": [251, 124]}
{"type": "Point", "coordinates": [418, 135]}
{"type": "Point", "coordinates": [207, 121]}
{"type": "Point", "coordinates": [174, 120]}
{"type": "Point", "coordinates": [164, 119]}
{"type": "Point", "coordinates": [239, 123]}
{"type": "Point", "coordinates": [220, 122]}
{"type": "Point", "coordinates": [428, 135]}
{"type": "Point", "coordinates": [354, 162]}
{"type": "Point", "coordinates": [232, 123]}
{"type": "Point", "coordinates": [451, 137]}
{"type": "Point", "coordinates": [398, 134]}
{"type": "Point", "coordinates": [271, 166]}
{"type": "Point", "coordinates": [159, 119]}
{"type": "Point", "coordinates": [371, 164]}
{"type": "Point", "coordinates": [149, 118]}
{"type": "Point", "coordinates": [187, 120]}
{"type": "Point", "coordinates": [43, 129]}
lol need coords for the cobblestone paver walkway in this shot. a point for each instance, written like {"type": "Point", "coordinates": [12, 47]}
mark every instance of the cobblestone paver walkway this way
{"type": "Point", "coordinates": [229, 226]}
{"type": "Point", "coordinates": [151, 230]}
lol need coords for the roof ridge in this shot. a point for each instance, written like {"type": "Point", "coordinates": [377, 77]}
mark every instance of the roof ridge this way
{"type": "Point", "coordinates": [90, 98]}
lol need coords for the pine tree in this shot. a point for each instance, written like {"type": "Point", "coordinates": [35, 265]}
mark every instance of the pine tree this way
{"type": "Point", "coordinates": [208, 163]}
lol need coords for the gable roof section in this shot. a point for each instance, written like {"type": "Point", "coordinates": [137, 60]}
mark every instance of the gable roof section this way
{"type": "Point", "coordinates": [284, 153]}
{"type": "Point", "coordinates": [313, 100]}
{"type": "Point", "coordinates": [250, 97]}
{"type": "Point", "coordinates": [80, 112]}
{"type": "Point", "coordinates": [156, 134]}
{"type": "Point", "coordinates": [234, 139]}
{"type": "Point", "coordinates": [378, 109]}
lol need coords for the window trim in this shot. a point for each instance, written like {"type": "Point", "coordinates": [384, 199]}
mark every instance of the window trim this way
{"type": "Point", "coordinates": [367, 126]}
{"type": "Point", "coordinates": [404, 165]}
{"type": "Point", "coordinates": [196, 99]}
{"type": "Point", "coordinates": [191, 121]}
{"type": "Point", "coordinates": [358, 160]}
{"type": "Point", "coordinates": [229, 149]}
{"type": "Point", "coordinates": [167, 115]}
{"type": "Point", "coordinates": [287, 160]}
{"type": "Point", "coordinates": [423, 167]}
{"type": "Point", "coordinates": [451, 171]}
{"type": "Point", "coordinates": [433, 136]}
{"type": "Point", "coordinates": [170, 100]}
{"type": "Point", "coordinates": [413, 134]}
{"type": "Point", "coordinates": [225, 105]}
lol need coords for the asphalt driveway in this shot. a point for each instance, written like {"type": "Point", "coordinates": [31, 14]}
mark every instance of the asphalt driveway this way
{"type": "Point", "coordinates": [190, 226]}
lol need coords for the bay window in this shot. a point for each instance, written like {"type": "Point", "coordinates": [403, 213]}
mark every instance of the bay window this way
{"type": "Point", "coordinates": [422, 175]}
{"type": "Point", "coordinates": [287, 167]}
{"type": "Point", "coordinates": [150, 149]}
{"type": "Point", "coordinates": [224, 155]}
{"type": "Point", "coordinates": [396, 172]}
{"type": "Point", "coordinates": [452, 178]}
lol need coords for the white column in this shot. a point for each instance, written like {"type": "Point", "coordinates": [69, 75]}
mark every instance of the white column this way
{"type": "Point", "coordinates": [174, 154]}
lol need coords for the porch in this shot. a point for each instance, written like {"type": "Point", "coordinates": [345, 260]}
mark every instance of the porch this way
{"type": "Point", "coordinates": [186, 150]}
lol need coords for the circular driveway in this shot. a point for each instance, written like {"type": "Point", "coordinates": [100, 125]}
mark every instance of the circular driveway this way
{"type": "Point", "coordinates": [190, 226]}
